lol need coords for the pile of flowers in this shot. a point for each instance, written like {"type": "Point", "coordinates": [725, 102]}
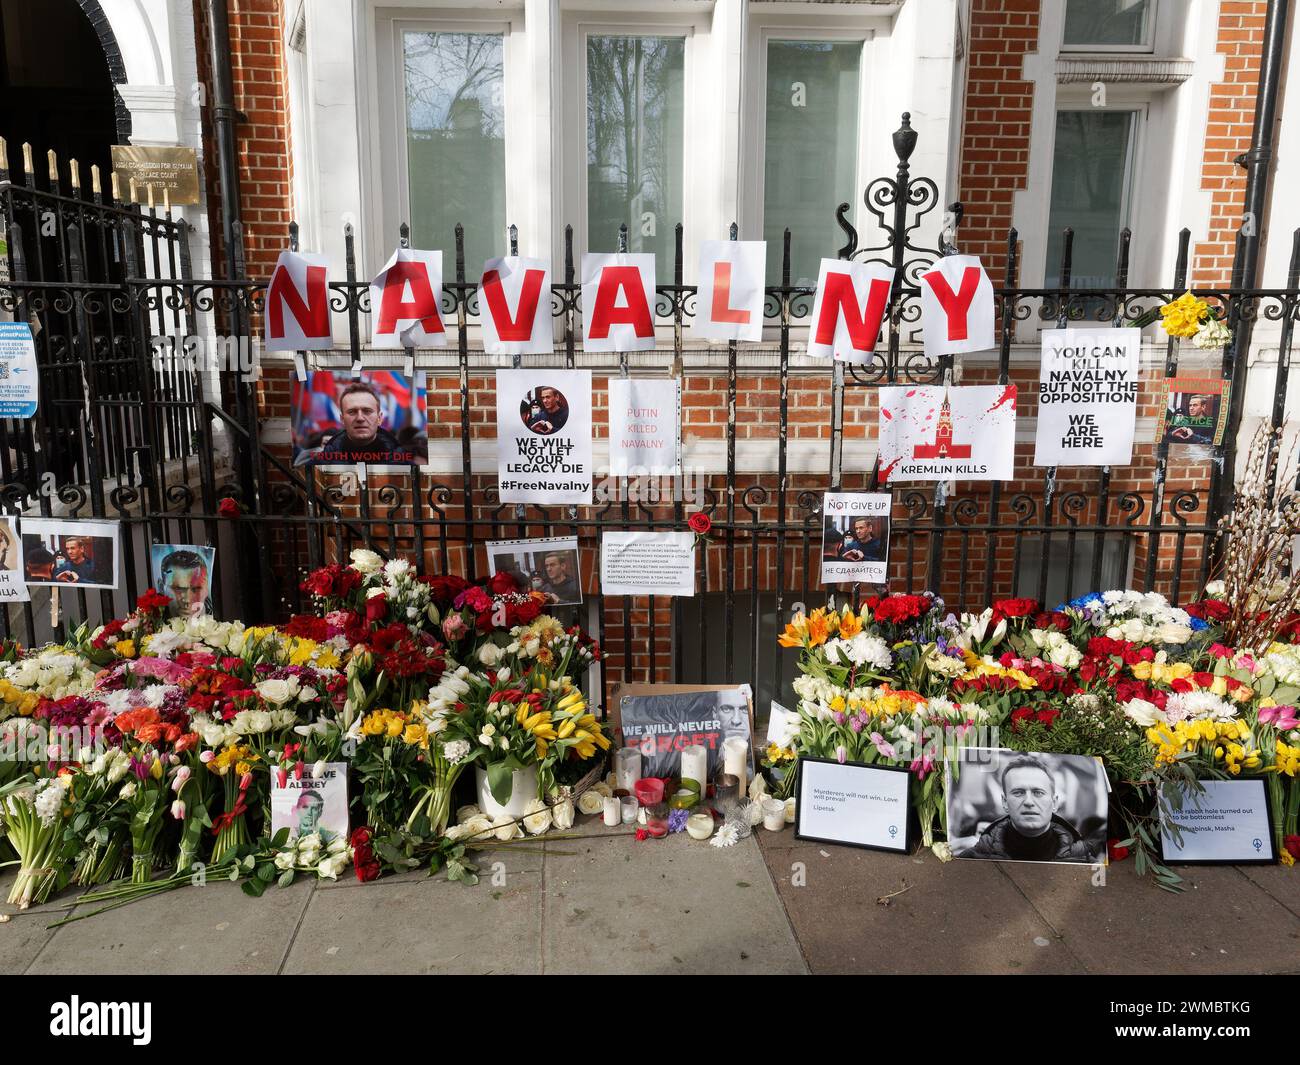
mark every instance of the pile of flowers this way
{"type": "Point", "coordinates": [143, 752]}
{"type": "Point", "coordinates": [1125, 676]}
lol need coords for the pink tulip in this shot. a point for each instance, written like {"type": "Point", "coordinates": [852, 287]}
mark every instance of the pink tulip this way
{"type": "Point", "coordinates": [883, 745]}
{"type": "Point", "coordinates": [1282, 718]}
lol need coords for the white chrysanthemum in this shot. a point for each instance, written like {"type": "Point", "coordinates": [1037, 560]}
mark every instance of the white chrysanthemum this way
{"type": "Point", "coordinates": [456, 751]}
{"type": "Point", "coordinates": [1197, 706]}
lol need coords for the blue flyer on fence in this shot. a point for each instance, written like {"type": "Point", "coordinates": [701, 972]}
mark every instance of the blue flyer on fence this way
{"type": "Point", "coordinates": [18, 377]}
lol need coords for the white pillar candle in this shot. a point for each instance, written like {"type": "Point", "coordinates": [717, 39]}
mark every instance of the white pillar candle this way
{"type": "Point", "coordinates": [735, 760]}
{"type": "Point", "coordinates": [612, 810]}
{"type": "Point", "coordinates": [695, 764]}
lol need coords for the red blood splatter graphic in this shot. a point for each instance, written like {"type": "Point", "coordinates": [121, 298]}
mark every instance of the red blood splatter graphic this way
{"type": "Point", "coordinates": [1008, 395]}
{"type": "Point", "coordinates": [885, 471]}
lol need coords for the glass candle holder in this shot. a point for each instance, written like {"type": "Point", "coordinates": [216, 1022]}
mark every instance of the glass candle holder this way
{"type": "Point", "coordinates": [700, 825]}
{"type": "Point", "coordinates": [629, 807]}
{"type": "Point", "coordinates": [656, 819]}
{"type": "Point", "coordinates": [726, 792]}
{"type": "Point", "coordinates": [612, 810]}
{"type": "Point", "coordinates": [773, 815]}
{"type": "Point", "coordinates": [649, 790]}
{"type": "Point", "coordinates": [627, 768]}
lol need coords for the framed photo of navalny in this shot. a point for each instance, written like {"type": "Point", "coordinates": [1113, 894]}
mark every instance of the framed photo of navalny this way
{"type": "Point", "coordinates": [184, 574]}
{"type": "Point", "coordinates": [548, 565]}
{"type": "Point", "coordinates": [1195, 411]}
{"type": "Point", "coordinates": [855, 537]}
{"type": "Point", "coordinates": [83, 554]}
{"type": "Point", "coordinates": [1018, 806]}
{"type": "Point", "coordinates": [379, 419]}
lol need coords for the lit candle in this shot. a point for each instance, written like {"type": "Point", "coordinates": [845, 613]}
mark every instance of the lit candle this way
{"type": "Point", "coordinates": [695, 764]}
{"type": "Point", "coordinates": [735, 759]}
{"type": "Point", "coordinates": [613, 811]}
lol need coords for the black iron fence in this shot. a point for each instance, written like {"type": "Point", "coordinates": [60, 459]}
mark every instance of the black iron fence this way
{"type": "Point", "coordinates": [139, 440]}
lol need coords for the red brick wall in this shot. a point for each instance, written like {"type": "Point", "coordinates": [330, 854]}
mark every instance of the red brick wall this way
{"type": "Point", "coordinates": [995, 128]}
{"type": "Point", "coordinates": [1228, 134]}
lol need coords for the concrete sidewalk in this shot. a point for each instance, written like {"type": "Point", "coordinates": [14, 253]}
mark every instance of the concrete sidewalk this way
{"type": "Point", "coordinates": [604, 903]}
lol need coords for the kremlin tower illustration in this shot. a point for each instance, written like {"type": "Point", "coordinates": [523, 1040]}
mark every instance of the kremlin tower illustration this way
{"type": "Point", "coordinates": [943, 447]}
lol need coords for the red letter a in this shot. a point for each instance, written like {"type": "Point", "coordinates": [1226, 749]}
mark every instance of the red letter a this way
{"type": "Point", "coordinates": [614, 279]}
{"type": "Point", "coordinates": [421, 307]}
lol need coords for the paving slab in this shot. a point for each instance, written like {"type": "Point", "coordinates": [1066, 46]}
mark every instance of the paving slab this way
{"type": "Point", "coordinates": [21, 939]}
{"type": "Point", "coordinates": [673, 905]}
{"type": "Point", "coordinates": [191, 930]}
{"type": "Point", "coordinates": [425, 925]}
{"type": "Point", "coordinates": [860, 911]}
{"type": "Point", "coordinates": [1279, 881]}
{"type": "Point", "coordinates": [1223, 922]}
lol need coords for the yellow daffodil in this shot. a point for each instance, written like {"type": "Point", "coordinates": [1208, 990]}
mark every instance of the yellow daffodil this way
{"type": "Point", "coordinates": [1183, 317]}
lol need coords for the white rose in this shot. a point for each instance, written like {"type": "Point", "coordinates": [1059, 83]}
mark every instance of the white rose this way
{"type": "Point", "coordinates": [490, 655]}
{"type": "Point", "coordinates": [1215, 589]}
{"type": "Point", "coordinates": [284, 860]}
{"type": "Point", "coordinates": [562, 814]}
{"type": "Point", "coordinates": [537, 817]}
{"type": "Point", "coordinates": [275, 691]}
{"type": "Point", "coordinates": [1172, 633]}
{"type": "Point", "coordinates": [506, 828]}
{"type": "Point", "coordinates": [464, 813]}
{"type": "Point", "coordinates": [366, 562]}
{"type": "Point", "coordinates": [591, 802]}
{"type": "Point", "coordinates": [259, 721]}
{"type": "Point", "coordinates": [1142, 713]}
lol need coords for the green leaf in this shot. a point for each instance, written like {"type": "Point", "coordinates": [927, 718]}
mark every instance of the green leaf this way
{"type": "Point", "coordinates": [279, 840]}
{"type": "Point", "coordinates": [286, 878]}
{"type": "Point", "coordinates": [266, 872]}
{"type": "Point", "coordinates": [253, 888]}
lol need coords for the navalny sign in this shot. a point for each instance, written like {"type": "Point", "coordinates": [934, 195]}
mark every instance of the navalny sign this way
{"type": "Point", "coordinates": [1087, 397]}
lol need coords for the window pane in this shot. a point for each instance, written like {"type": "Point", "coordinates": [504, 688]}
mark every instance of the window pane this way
{"type": "Point", "coordinates": [1091, 173]}
{"type": "Point", "coordinates": [455, 143]}
{"type": "Point", "coordinates": [1106, 23]}
{"type": "Point", "coordinates": [810, 158]}
{"type": "Point", "coordinates": [635, 96]}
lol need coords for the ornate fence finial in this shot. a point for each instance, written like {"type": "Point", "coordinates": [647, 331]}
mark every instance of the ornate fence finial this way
{"type": "Point", "coordinates": [904, 140]}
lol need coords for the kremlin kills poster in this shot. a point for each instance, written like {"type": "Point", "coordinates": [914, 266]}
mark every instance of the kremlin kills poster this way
{"type": "Point", "coordinates": [955, 433]}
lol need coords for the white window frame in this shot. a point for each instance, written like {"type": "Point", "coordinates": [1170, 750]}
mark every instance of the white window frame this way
{"type": "Point", "coordinates": [1139, 112]}
{"type": "Point", "coordinates": [754, 121]}
{"type": "Point", "coordinates": [571, 166]}
{"type": "Point", "coordinates": [388, 204]}
{"type": "Point", "coordinates": [1149, 46]}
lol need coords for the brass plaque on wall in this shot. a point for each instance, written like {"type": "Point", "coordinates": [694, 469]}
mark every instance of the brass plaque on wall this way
{"type": "Point", "coordinates": [172, 168]}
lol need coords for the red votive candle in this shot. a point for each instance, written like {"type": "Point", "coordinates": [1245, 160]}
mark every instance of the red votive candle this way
{"type": "Point", "coordinates": [656, 819]}
{"type": "Point", "coordinates": [649, 790]}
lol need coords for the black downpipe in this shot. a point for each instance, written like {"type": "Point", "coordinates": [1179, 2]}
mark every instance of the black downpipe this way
{"type": "Point", "coordinates": [255, 578]}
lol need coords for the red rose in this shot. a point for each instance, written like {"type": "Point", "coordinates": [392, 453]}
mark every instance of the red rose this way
{"type": "Point", "coordinates": [1017, 716]}
{"type": "Point", "coordinates": [151, 601]}
{"type": "Point", "coordinates": [443, 589]}
{"type": "Point", "coordinates": [376, 608]}
{"type": "Point", "coordinates": [502, 584]}
{"type": "Point", "coordinates": [700, 523]}
{"type": "Point", "coordinates": [363, 857]}
{"type": "Point", "coordinates": [228, 508]}
{"type": "Point", "coordinates": [1014, 608]}
{"type": "Point", "coordinates": [1116, 852]}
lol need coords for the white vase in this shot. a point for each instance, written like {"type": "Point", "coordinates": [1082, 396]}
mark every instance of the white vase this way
{"type": "Point", "coordinates": [523, 789]}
